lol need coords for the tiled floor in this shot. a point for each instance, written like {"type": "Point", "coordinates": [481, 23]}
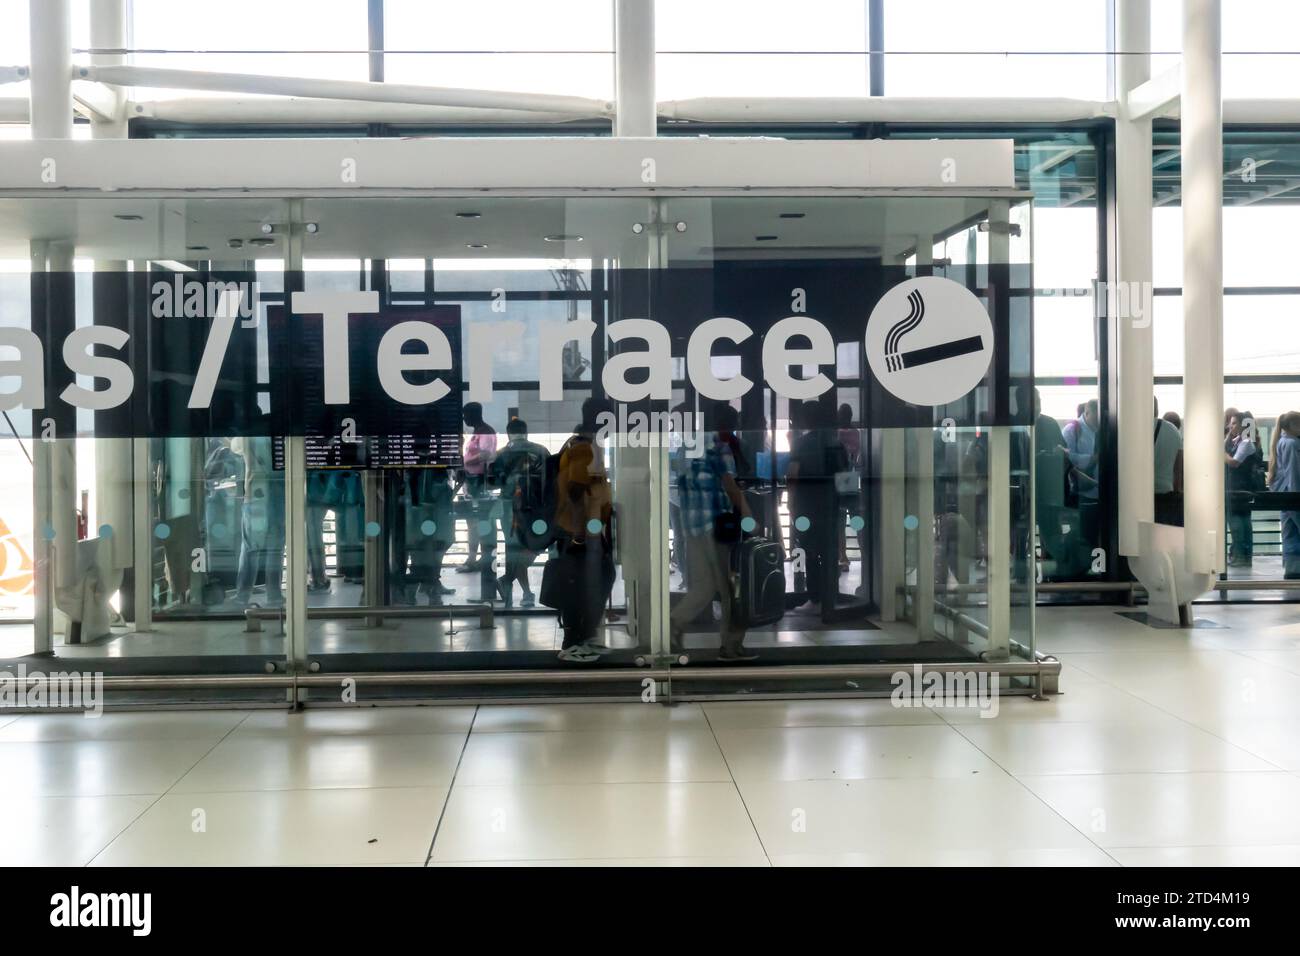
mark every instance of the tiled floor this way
{"type": "Point", "coordinates": [1167, 748]}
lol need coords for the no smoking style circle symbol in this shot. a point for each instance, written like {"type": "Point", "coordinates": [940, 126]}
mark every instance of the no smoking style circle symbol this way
{"type": "Point", "coordinates": [929, 340]}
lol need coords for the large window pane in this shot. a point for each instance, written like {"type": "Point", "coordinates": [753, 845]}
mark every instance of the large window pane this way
{"type": "Point", "coordinates": [515, 45]}
{"type": "Point", "coordinates": [761, 48]}
{"type": "Point", "coordinates": [286, 38]}
{"type": "Point", "coordinates": [995, 48]}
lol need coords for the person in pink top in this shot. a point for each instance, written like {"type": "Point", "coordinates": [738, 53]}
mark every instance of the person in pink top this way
{"type": "Point", "coordinates": [480, 449]}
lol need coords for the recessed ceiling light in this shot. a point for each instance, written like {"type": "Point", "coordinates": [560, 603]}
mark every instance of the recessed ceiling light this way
{"type": "Point", "coordinates": [235, 243]}
{"type": "Point", "coordinates": [469, 215]}
{"type": "Point", "coordinates": [765, 238]}
{"type": "Point", "coordinates": [792, 215]}
{"type": "Point", "coordinates": [127, 216]}
{"type": "Point", "coordinates": [476, 245]}
{"type": "Point", "coordinates": [561, 237]}
{"type": "Point", "coordinates": [261, 241]}
{"type": "Point", "coordinates": [197, 248]}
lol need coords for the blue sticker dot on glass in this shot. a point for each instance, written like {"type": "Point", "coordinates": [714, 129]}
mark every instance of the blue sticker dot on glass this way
{"type": "Point", "coordinates": [802, 523]}
{"type": "Point", "coordinates": [485, 527]}
{"type": "Point", "coordinates": [911, 522]}
{"type": "Point", "coordinates": [748, 524]}
{"type": "Point", "coordinates": [182, 493]}
{"type": "Point", "coordinates": [163, 531]}
{"type": "Point", "coordinates": [428, 527]}
{"type": "Point", "coordinates": [106, 531]}
{"type": "Point", "coordinates": [857, 522]}
{"type": "Point", "coordinates": [372, 529]}
{"type": "Point", "coordinates": [539, 526]}
{"type": "Point", "coordinates": [594, 526]}
{"type": "Point", "coordinates": [47, 532]}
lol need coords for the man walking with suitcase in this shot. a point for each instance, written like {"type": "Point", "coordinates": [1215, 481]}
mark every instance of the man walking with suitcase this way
{"type": "Point", "coordinates": [712, 507]}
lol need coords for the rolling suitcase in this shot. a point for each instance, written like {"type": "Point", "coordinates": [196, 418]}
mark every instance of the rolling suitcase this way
{"type": "Point", "coordinates": [761, 574]}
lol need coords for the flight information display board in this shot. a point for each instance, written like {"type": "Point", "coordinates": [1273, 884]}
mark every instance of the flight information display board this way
{"type": "Point", "coordinates": [371, 430]}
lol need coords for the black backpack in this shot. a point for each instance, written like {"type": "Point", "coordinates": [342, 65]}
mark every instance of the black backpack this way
{"type": "Point", "coordinates": [534, 502]}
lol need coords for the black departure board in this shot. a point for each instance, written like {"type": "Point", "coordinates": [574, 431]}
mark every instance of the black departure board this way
{"type": "Point", "coordinates": [372, 430]}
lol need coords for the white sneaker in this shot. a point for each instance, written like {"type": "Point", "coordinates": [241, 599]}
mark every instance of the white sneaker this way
{"type": "Point", "coordinates": [597, 649]}
{"type": "Point", "coordinates": [579, 654]}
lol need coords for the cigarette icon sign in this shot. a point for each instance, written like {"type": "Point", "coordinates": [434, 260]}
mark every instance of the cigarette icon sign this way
{"type": "Point", "coordinates": [937, 353]}
{"type": "Point", "coordinates": [896, 361]}
{"type": "Point", "coordinates": [929, 340]}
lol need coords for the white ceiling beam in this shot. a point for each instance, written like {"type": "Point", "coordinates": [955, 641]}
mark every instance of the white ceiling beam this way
{"type": "Point", "coordinates": [1261, 111]}
{"type": "Point", "coordinates": [1154, 96]}
{"type": "Point", "coordinates": [134, 76]}
{"type": "Point", "coordinates": [882, 109]}
{"type": "Point", "coordinates": [13, 74]}
{"type": "Point", "coordinates": [96, 102]}
{"type": "Point", "coordinates": [296, 111]}
{"type": "Point", "coordinates": [14, 110]}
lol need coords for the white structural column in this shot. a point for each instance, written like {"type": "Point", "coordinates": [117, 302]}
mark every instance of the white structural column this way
{"type": "Point", "coordinates": [1202, 147]}
{"type": "Point", "coordinates": [51, 68]}
{"type": "Point", "coordinates": [51, 118]}
{"type": "Point", "coordinates": [1128, 295]}
{"type": "Point", "coordinates": [641, 474]}
{"type": "Point", "coordinates": [109, 30]}
{"type": "Point", "coordinates": [121, 499]}
{"type": "Point", "coordinates": [634, 68]}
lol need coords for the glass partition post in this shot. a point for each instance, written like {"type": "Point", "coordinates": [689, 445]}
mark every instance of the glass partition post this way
{"type": "Point", "coordinates": [295, 477]}
{"type": "Point", "coordinates": [998, 550]}
{"type": "Point", "coordinates": [923, 463]}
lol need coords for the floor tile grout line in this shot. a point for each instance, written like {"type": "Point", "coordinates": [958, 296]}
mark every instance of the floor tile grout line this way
{"type": "Point", "coordinates": [735, 783]}
{"type": "Point", "coordinates": [446, 801]}
{"type": "Point", "coordinates": [1271, 768]}
{"type": "Point", "coordinates": [159, 797]}
{"type": "Point", "coordinates": [1186, 721]}
{"type": "Point", "coordinates": [1050, 809]}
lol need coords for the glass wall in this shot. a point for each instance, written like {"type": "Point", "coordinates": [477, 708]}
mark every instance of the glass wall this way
{"type": "Point", "coordinates": [1075, 525]}
{"type": "Point", "coordinates": [1260, 361]}
{"type": "Point", "coordinates": [487, 434]}
{"type": "Point", "coordinates": [136, 520]}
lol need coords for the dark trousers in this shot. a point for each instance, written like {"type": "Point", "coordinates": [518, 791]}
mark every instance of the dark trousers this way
{"type": "Point", "coordinates": [1291, 544]}
{"type": "Point", "coordinates": [1243, 535]}
{"type": "Point", "coordinates": [1169, 509]}
{"type": "Point", "coordinates": [820, 543]}
{"type": "Point", "coordinates": [261, 550]}
{"type": "Point", "coordinates": [584, 608]}
{"type": "Point", "coordinates": [710, 577]}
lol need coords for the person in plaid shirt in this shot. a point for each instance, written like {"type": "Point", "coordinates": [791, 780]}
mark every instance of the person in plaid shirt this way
{"type": "Point", "coordinates": [707, 490]}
